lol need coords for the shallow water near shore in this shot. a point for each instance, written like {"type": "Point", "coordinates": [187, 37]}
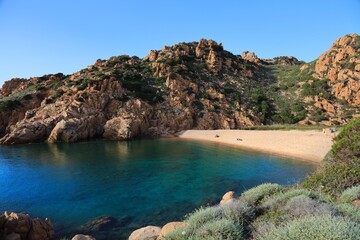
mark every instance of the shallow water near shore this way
{"type": "Point", "coordinates": [141, 182]}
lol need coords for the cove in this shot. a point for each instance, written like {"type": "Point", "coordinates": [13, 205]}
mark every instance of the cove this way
{"type": "Point", "coordinates": [141, 182]}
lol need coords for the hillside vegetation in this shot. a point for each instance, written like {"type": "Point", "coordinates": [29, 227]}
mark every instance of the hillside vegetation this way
{"type": "Point", "coordinates": [196, 85]}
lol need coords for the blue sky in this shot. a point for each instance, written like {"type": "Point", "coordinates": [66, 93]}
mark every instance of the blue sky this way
{"type": "Point", "coordinates": [50, 36]}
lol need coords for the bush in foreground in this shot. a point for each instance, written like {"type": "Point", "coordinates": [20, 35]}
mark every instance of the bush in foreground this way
{"type": "Point", "coordinates": [218, 230]}
{"type": "Point", "coordinates": [350, 194]}
{"type": "Point", "coordinates": [228, 221]}
{"type": "Point", "coordinates": [349, 210]}
{"type": "Point", "coordinates": [280, 199]}
{"type": "Point", "coordinates": [341, 169]}
{"type": "Point", "coordinates": [254, 195]}
{"type": "Point", "coordinates": [301, 206]}
{"type": "Point", "coordinates": [314, 228]}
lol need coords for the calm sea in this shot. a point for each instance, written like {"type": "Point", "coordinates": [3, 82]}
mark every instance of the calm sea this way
{"type": "Point", "coordinates": [139, 183]}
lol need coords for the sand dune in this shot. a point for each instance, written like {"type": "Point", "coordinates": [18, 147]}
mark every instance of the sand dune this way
{"type": "Point", "coordinates": [305, 145]}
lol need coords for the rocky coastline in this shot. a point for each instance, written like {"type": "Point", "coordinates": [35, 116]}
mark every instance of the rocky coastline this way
{"type": "Point", "coordinates": [196, 85]}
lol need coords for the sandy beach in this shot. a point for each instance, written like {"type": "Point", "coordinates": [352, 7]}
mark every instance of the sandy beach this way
{"type": "Point", "coordinates": [304, 145]}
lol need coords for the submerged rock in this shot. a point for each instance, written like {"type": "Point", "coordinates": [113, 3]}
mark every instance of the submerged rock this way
{"type": "Point", "coordinates": [102, 223]}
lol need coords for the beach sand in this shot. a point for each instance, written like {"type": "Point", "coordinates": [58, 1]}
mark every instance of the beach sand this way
{"type": "Point", "coordinates": [304, 145]}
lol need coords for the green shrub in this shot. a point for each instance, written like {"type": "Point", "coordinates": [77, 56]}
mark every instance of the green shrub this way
{"type": "Point", "coordinates": [203, 215]}
{"type": "Point", "coordinates": [348, 141]}
{"type": "Point", "coordinates": [177, 234]}
{"type": "Point", "coordinates": [342, 169]}
{"type": "Point", "coordinates": [254, 195]}
{"type": "Point", "coordinates": [314, 228]}
{"type": "Point", "coordinates": [218, 230]}
{"type": "Point", "coordinates": [279, 199]}
{"type": "Point", "coordinates": [239, 212]}
{"type": "Point", "coordinates": [350, 194]}
{"type": "Point", "coordinates": [349, 210]}
{"type": "Point", "coordinates": [301, 206]}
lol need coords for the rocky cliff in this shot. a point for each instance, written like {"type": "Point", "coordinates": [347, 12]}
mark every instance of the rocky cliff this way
{"type": "Point", "coordinates": [196, 85]}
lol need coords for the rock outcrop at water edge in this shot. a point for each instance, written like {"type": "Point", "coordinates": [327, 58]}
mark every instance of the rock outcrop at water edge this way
{"type": "Point", "coordinates": [21, 226]}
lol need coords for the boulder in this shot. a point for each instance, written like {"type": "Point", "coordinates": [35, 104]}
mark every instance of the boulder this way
{"type": "Point", "coordinates": [17, 223]}
{"type": "Point", "coordinates": [41, 230]}
{"type": "Point", "coordinates": [145, 233]}
{"type": "Point", "coordinates": [228, 197]}
{"type": "Point", "coordinates": [170, 227]}
{"type": "Point", "coordinates": [82, 237]}
{"type": "Point", "coordinates": [75, 129]}
{"type": "Point", "coordinates": [120, 128]}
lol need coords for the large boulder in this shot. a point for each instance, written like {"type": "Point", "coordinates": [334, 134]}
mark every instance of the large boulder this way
{"type": "Point", "coordinates": [120, 128]}
{"type": "Point", "coordinates": [145, 233]}
{"type": "Point", "coordinates": [17, 223]}
{"type": "Point", "coordinates": [41, 230]}
{"type": "Point", "coordinates": [170, 227]}
{"type": "Point", "coordinates": [75, 129]}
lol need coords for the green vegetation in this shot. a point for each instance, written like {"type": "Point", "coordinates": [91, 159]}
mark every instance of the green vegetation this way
{"type": "Point", "coordinates": [313, 228]}
{"type": "Point", "coordinates": [281, 198]}
{"type": "Point", "coordinates": [13, 101]}
{"type": "Point", "coordinates": [256, 194]}
{"type": "Point", "coordinates": [229, 221]}
{"type": "Point", "coordinates": [316, 88]}
{"type": "Point", "coordinates": [341, 169]}
{"type": "Point", "coordinates": [350, 194]}
{"type": "Point", "coordinates": [349, 210]}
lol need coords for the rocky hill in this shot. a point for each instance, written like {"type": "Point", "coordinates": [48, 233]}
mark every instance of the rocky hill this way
{"type": "Point", "coordinates": [189, 85]}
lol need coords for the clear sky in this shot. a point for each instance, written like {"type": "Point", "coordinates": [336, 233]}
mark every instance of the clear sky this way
{"type": "Point", "coordinates": [50, 36]}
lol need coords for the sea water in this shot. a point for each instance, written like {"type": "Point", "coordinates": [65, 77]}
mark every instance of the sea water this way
{"type": "Point", "coordinates": [141, 182]}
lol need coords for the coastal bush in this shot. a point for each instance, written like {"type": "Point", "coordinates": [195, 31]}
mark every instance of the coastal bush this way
{"type": "Point", "coordinates": [349, 210]}
{"type": "Point", "coordinates": [314, 228]}
{"type": "Point", "coordinates": [281, 198]}
{"type": "Point", "coordinates": [254, 195]}
{"type": "Point", "coordinates": [301, 206]}
{"type": "Point", "coordinates": [341, 169]}
{"type": "Point", "coordinates": [219, 230]}
{"type": "Point", "coordinates": [177, 234]}
{"type": "Point", "coordinates": [350, 194]}
{"type": "Point", "coordinates": [213, 230]}
{"type": "Point", "coordinates": [347, 143]}
{"type": "Point", "coordinates": [203, 215]}
{"type": "Point", "coordinates": [239, 212]}
{"type": "Point", "coordinates": [228, 221]}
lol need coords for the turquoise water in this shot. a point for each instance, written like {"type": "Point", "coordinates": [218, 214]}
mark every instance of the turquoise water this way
{"type": "Point", "coordinates": [144, 182]}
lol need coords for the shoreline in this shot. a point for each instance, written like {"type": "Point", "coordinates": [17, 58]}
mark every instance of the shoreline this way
{"type": "Point", "coordinates": [309, 145]}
